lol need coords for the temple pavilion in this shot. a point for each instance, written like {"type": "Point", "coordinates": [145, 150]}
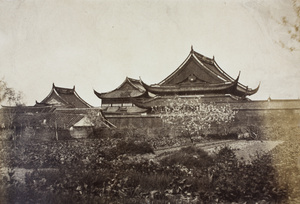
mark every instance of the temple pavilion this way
{"type": "Point", "coordinates": [119, 100]}
{"type": "Point", "coordinates": [63, 97]}
{"type": "Point", "coordinates": [197, 76]}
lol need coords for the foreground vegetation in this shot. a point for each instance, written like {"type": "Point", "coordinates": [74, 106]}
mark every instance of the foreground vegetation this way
{"type": "Point", "coordinates": [92, 171]}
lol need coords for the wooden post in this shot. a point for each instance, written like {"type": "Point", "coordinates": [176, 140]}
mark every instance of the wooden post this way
{"type": "Point", "coordinates": [14, 135]}
{"type": "Point", "coordinates": [56, 133]}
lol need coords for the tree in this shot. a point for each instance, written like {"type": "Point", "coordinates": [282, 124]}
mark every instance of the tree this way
{"type": "Point", "coordinates": [9, 95]}
{"type": "Point", "coordinates": [192, 116]}
{"type": "Point", "coordinates": [8, 115]}
{"type": "Point", "coordinates": [293, 26]}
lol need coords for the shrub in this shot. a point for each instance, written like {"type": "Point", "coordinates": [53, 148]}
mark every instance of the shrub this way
{"type": "Point", "coordinates": [236, 181]}
{"type": "Point", "coordinates": [84, 175]}
{"type": "Point", "coordinates": [191, 157]}
{"type": "Point", "coordinates": [225, 154]}
{"type": "Point", "coordinates": [130, 148]}
{"type": "Point", "coordinates": [229, 136]}
{"type": "Point", "coordinates": [150, 182]}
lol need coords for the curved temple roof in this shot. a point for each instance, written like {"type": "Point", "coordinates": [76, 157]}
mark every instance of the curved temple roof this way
{"type": "Point", "coordinates": [197, 75]}
{"type": "Point", "coordinates": [204, 73]}
{"type": "Point", "coordinates": [65, 97]}
{"type": "Point", "coordinates": [129, 88]}
{"type": "Point", "coordinates": [223, 88]}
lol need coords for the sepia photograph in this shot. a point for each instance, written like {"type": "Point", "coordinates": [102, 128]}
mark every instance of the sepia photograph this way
{"type": "Point", "coordinates": [150, 101]}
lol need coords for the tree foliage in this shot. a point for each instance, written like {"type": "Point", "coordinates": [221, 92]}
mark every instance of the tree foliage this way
{"type": "Point", "coordinates": [192, 116]}
{"type": "Point", "coordinates": [293, 26]}
{"type": "Point", "coordinates": [9, 95]}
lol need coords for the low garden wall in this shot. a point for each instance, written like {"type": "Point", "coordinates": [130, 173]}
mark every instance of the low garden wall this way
{"type": "Point", "coordinates": [259, 116]}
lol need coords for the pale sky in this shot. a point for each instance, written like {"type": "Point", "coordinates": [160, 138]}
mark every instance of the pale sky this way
{"type": "Point", "coordinates": [95, 44]}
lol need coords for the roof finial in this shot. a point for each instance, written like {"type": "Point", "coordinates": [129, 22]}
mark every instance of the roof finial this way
{"type": "Point", "coordinates": [53, 85]}
{"type": "Point", "coordinates": [192, 50]}
{"type": "Point", "coordinates": [74, 87]}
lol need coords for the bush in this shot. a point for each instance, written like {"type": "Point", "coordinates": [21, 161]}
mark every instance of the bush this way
{"type": "Point", "coordinates": [130, 148]}
{"type": "Point", "coordinates": [190, 157]}
{"type": "Point", "coordinates": [150, 182]}
{"type": "Point", "coordinates": [236, 181]}
{"type": "Point", "coordinates": [83, 174]}
{"type": "Point", "coordinates": [230, 136]}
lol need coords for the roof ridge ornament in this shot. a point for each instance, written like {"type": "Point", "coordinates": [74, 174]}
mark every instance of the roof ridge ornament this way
{"type": "Point", "coordinates": [269, 99]}
{"type": "Point", "coordinates": [140, 80]}
{"type": "Point", "coordinates": [238, 76]}
{"type": "Point", "coordinates": [192, 50]}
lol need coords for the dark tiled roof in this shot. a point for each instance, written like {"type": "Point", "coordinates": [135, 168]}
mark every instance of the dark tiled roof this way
{"type": "Point", "coordinates": [206, 88]}
{"type": "Point", "coordinates": [128, 89]}
{"type": "Point", "coordinates": [64, 97]}
{"type": "Point", "coordinates": [201, 71]}
{"type": "Point", "coordinates": [66, 120]}
{"type": "Point", "coordinates": [61, 118]}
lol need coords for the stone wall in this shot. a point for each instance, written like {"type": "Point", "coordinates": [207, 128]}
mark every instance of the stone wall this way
{"type": "Point", "coordinates": [137, 121]}
{"type": "Point", "coordinates": [254, 114]}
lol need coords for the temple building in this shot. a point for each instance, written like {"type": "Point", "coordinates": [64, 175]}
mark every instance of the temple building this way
{"type": "Point", "coordinates": [119, 100]}
{"type": "Point", "coordinates": [197, 76]}
{"type": "Point", "coordinates": [61, 114]}
{"type": "Point", "coordinates": [137, 104]}
{"type": "Point", "coordinates": [63, 97]}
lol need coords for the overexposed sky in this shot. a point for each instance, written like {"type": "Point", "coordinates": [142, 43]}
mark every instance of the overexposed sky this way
{"type": "Point", "coordinates": [95, 44]}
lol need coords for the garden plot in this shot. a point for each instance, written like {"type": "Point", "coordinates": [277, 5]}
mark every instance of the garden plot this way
{"type": "Point", "coordinates": [86, 172]}
{"type": "Point", "coordinates": [244, 149]}
{"type": "Point", "coordinates": [247, 150]}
